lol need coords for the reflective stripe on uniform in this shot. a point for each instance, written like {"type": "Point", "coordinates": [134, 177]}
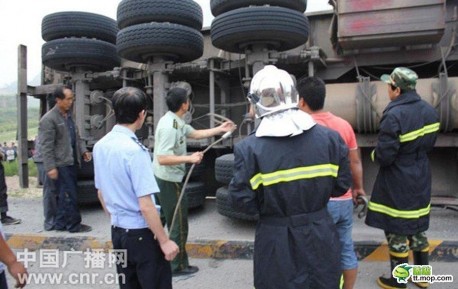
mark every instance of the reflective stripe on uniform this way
{"type": "Point", "coordinates": [413, 135]}
{"type": "Point", "coordinates": [373, 155]}
{"type": "Point", "coordinates": [325, 170]}
{"type": "Point", "coordinates": [413, 214]}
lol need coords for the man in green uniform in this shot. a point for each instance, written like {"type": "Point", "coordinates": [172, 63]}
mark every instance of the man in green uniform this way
{"type": "Point", "coordinates": [170, 156]}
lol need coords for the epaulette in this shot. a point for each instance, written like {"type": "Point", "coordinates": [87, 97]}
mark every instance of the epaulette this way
{"type": "Point", "coordinates": [139, 143]}
{"type": "Point", "coordinates": [175, 124]}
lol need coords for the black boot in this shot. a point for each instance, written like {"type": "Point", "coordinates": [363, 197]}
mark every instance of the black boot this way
{"type": "Point", "coordinates": [391, 282]}
{"type": "Point", "coordinates": [421, 258]}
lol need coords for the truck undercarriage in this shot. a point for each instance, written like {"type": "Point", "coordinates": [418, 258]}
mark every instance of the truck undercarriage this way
{"type": "Point", "coordinates": [348, 47]}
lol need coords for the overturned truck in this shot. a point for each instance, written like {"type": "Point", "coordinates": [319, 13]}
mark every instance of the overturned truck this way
{"type": "Point", "coordinates": [157, 44]}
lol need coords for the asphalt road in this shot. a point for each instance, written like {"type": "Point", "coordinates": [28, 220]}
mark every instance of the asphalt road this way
{"type": "Point", "coordinates": [205, 224]}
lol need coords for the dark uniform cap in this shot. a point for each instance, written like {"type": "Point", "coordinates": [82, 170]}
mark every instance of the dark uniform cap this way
{"type": "Point", "coordinates": [401, 77]}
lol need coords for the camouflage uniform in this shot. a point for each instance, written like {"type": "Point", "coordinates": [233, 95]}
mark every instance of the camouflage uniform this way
{"type": "Point", "coordinates": [398, 243]}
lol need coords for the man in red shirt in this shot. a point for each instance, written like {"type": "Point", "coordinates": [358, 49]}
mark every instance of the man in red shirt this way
{"type": "Point", "coordinates": [312, 92]}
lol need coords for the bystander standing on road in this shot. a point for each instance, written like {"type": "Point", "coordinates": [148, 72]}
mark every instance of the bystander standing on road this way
{"type": "Point", "coordinates": [10, 153]}
{"type": "Point", "coordinates": [400, 200]}
{"type": "Point", "coordinates": [286, 172]}
{"type": "Point", "coordinates": [312, 93]}
{"type": "Point", "coordinates": [5, 219]}
{"type": "Point", "coordinates": [126, 186]}
{"type": "Point", "coordinates": [169, 162]}
{"type": "Point", "coordinates": [3, 150]}
{"type": "Point", "coordinates": [61, 149]}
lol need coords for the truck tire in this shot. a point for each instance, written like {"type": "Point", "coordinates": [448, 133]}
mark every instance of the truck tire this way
{"type": "Point", "coordinates": [195, 192]}
{"type": "Point", "coordinates": [198, 170]}
{"type": "Point", "coordinates": [222, 6]}
{"type": "Point", "coordinates": [224, 168]}
{"type": "Point", "coordinates": [87, 193]}
{"type": "Point", "coordinates": [223, 206]}
{"type": "Point", "coordinates": [66, 53]}
{"type": "Point", "coordinates": [86, 171]}
{"type": "Point", "coordinates": [78, 24]}
{"type": "Point", "coordinates": [184, 12]}
{"type": "Point", "coordinates": [176, 42]}
{"type": "Point", "coordinates": [276, 27]}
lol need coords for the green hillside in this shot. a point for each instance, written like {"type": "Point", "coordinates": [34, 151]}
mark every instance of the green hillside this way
{"type": "Point", "coordinates": [8, 118]}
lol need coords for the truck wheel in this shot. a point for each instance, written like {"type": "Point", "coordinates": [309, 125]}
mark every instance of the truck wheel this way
{"type": "Point", "coordinates": [223, 206]}
{"type": "Point", "coordinates": [224, 168]}
{"type": "Point", "coordinates": [221, 6]}
{"type": "Point", "coordinates": [86, 171]}
{"type": "Point", "coordinates": [78, 24]}
{"type": "Point", "coordinates": [184, 12]}
{"type": "Point", "coordinates": [87, 193]}
{"type": "Point", "coordinates": [198, 170]}
{"type": "Point", "coordinates": [275, 27]}
{"type": "Point", "coordinates": [195, 192]}
{"type": "Point", "coordinates": [66, 53]}
{"type": "Point", "coordinates": [176, 42]}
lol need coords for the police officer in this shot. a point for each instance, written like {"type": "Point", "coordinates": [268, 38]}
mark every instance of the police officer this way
{"type": "Point", "coordinates": [126, 184]}
{"type": "Point", "coordinates": [400, 202]}
{"type": "Point", "coordinates": [286, 172]}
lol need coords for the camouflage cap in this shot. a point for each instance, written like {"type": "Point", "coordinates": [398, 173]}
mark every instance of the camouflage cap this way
{"type": "Point", "coordinates": [401, 77]}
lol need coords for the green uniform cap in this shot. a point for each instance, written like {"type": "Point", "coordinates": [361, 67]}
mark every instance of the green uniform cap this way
{"type": "Point", "coordinates": [401, 77]}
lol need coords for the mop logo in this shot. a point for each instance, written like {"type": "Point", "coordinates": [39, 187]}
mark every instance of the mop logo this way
{"type": "Point", "coordinates": [418, 274]}
{"type": "Point", "coordinates": [402, 272]}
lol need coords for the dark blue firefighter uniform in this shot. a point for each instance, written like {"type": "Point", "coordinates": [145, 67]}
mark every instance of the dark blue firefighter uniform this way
{"type": "Point", "coordinates": [400, 201]}
{"type": "Point", "coordinates": [288, 181]}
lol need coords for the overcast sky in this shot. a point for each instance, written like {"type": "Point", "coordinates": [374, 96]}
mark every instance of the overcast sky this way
{"type": "Point", "coordinates": [20, 23]}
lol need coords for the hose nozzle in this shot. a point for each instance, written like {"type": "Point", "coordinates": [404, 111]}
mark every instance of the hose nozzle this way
{"type": "Point", "coordinates": [227, 134]}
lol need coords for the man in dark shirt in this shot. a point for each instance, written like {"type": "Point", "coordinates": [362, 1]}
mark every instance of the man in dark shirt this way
{"type": "Point", "coordinates": [61, 149]}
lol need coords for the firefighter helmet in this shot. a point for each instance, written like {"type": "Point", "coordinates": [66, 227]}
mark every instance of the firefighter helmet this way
{"type": "Point", "coordinates": [272, 90]}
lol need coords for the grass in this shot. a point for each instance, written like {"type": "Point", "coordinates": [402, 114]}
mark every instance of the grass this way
{"type": "Point", "coordinates": [10, 136]}
{"type": "Point", "coordinates": [11, 168]}
{"type": "Point", "coordinates": [9, 118]}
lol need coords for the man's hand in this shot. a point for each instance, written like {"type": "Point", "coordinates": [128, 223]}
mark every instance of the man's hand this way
{"type": "Point", "coordinates": [196, 157]}
{"type": "Point", "coordinates": [87, 156]}
{"type": "Point", "coordinates": [53, 174]}
{"type": "Point", "coordinates": [170, 249]}
{"type": "Point", "coordinates": [227, 126]}
{"type": "Point", "coordinates": [19, 273]}
{"type": "Point", "coordinates": [356, 193]}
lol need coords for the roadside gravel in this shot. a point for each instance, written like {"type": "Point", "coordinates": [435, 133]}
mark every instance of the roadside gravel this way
{"type": "Point", "coordinates": [15, 190]}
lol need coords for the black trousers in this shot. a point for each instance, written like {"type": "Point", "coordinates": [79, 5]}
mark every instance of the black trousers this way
{"type": "Point", "coordinates": [68, 216]}
{"type": "Point", "coordinates": [3, 284]}
{"type": "Point", "coordinates": [3, 188]}
{"type": "Point", "coordinates": [146, 265]}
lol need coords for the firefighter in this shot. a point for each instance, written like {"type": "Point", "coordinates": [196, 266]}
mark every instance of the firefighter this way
{"type": "Point", "coordinates": [286, 171]}
{"type": "Point", "coordinates": [400, 202]}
